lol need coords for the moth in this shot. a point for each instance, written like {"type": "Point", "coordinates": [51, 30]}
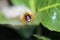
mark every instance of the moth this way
{"type": "Point", "coordinates": [20, 12]}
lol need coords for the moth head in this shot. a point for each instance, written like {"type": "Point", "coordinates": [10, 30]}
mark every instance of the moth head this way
{"type": "Point", "coordinates": [27, 17]}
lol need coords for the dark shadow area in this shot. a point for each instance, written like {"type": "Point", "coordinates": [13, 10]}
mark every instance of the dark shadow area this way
{"type": "Point", "coordinates": [7, 33]}
{"type": "Point", "coordinates": [51, 34]}
{"type": "Point", "coordinates": [28, 30]}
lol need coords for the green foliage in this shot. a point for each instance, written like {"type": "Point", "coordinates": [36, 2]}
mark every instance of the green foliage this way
{"type": "Point", "coordinates": [47, 11]}
{"type": "Point", "coordinates": [50, 15]}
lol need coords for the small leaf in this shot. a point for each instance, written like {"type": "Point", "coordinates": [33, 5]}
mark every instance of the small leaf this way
{"type": "Point", "coordinates": [41, 37]}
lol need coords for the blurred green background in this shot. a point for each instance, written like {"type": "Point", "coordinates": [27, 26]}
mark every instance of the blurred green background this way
{"type": "Point", "coordinates": [47, 12]}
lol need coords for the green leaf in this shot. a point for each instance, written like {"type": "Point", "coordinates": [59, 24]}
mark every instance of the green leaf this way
{"type": "Point", "coordinates": [50, 14]}
{"type": "Point", "coordinates": [30, 3]}
{"type": "Point", "coordinates": [41, 37]}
